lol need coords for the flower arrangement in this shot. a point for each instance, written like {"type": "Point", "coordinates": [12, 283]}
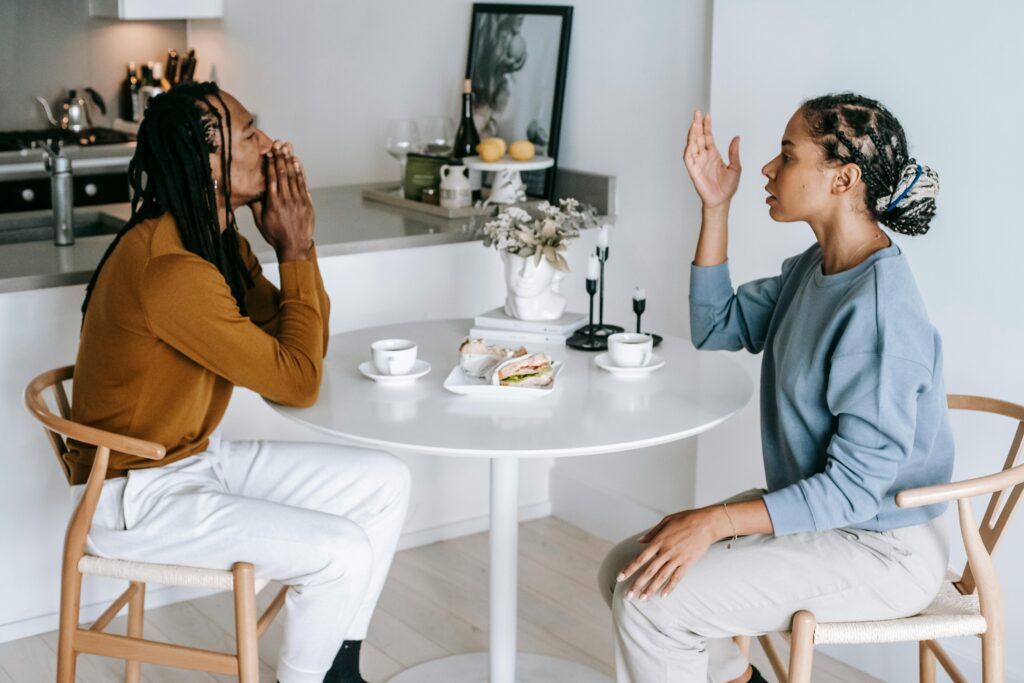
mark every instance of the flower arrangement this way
{"type": "Point", "coordinates": [518, 232]}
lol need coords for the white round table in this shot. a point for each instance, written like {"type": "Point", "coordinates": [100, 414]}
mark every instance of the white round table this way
{"type": "Point", "coordinates": [590, 411]}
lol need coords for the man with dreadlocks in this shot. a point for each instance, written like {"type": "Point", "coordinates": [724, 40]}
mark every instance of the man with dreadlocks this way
{"type": "Point", "coordinates": [176, 314]}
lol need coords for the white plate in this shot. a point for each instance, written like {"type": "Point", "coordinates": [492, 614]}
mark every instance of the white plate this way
{"type": "Point", "coordinates": [535, 164]}
{"type": "Point", "coordinates": [459, 382]}
{"type": "Point", "coordinates": [604, 362]}
{"type": "Point", "coordinates": [419, 368]}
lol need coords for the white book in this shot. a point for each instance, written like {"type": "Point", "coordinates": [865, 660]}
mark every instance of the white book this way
{"type": "Point", "coordinates": [564, 326]}
{"type": "Point", "coordinates": [517, 336]}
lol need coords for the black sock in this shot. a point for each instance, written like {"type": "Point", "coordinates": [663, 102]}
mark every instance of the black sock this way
{"type": "Point", "coordinates": [345, 668]}
{"type": "Point", "coordinates": [757, 677]}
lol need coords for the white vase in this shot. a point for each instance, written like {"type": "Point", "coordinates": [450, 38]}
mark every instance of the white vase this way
{"type": "Point", "coordinates": [532, 288]}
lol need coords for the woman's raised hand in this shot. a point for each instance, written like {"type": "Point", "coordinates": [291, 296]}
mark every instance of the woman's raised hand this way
{"type": "Point", "coordinates": [715, 182]}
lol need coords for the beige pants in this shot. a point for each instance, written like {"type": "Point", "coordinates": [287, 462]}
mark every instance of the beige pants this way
{"type": "Point", "coordinates": [756, 586]}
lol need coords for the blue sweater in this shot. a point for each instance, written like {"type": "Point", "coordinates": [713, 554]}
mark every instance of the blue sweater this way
{"type": "Point", "coordinates": [853, 406]}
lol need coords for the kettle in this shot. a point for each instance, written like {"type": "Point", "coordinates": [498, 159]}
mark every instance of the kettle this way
{"type": "Point", "coordinates": [74, 111]}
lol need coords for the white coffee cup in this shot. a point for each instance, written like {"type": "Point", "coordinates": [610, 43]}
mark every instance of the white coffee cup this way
{"type": "Point", "coordinates": [393, 356]}
{"type": "Point", "coordinates": [630, 349]}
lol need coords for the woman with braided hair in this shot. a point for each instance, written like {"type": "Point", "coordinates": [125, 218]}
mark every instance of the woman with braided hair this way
{"type": "Point", "coordinates": [853, 410]}
{"type": "Point", "coordinates": [176, 315]}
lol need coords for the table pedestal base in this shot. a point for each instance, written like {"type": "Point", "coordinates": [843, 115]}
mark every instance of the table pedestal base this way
{"type": "Point", "coordinates": [474, 668]}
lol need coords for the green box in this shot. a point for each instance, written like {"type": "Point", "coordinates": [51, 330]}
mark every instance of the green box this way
{"type": "Point", "coordinates": [423, 171]}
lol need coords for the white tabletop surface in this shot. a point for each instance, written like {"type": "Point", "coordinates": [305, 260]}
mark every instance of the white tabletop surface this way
{"type": "Point", "coordinates": [590, 411]}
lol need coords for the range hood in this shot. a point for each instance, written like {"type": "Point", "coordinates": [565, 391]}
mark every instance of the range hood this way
{"type": "Point", "coordinates": [156, 9]}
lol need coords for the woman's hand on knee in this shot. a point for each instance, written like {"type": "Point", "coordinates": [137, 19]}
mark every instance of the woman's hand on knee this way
{"type": "Point", "coordinates": [673, 546]}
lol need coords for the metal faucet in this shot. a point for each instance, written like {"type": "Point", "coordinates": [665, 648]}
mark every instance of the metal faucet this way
{"type": "Point", "coordinates": [61, 193]}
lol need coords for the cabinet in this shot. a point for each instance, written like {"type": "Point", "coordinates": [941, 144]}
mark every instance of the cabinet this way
{"type": "Point", "coordinates": [156, 9]}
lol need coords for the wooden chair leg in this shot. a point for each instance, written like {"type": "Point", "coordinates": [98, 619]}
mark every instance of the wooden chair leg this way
{"type": "Point", "coordinates": [70, 601]}
{"type": "Point", "coordinates": [801, 647]}
{"type": "Point", "coordinates": [926, 663]}
{"type": "Point", "coordinates": [773, 657]}
{"type": "Point", "coordinates": [993, 662]}
{"type": "Point", "coordinates": [743, 643]}
{"type": "Point", "coordinates": [245, 623]}
{"type": "Point", "coordinates": [136, 618]}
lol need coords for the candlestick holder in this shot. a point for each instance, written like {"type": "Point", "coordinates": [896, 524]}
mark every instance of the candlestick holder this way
{"type": "Point", "coordinates": [639, 305]}
{"type": "Point", "coordinates": [586, 338]}
{"type": "Point", "coordinates": [600, 329]}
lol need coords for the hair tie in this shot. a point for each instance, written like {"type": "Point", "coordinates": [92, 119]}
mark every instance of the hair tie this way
{"type": "Point", "coordinates": [892, 205]}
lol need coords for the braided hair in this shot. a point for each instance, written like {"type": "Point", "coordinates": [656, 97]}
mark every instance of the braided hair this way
{"type": "Point", "coordinates": [170, 172]}
{"type": "Point", "coordinates": [852, 129]}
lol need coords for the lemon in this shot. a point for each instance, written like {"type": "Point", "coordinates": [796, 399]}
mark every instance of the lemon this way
{"type": "Point", "coordinates": [491, 149]}
{"type": "Point", "coordinates": [521, 150]}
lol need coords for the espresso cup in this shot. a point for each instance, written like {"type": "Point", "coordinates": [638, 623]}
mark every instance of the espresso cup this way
{"type": "Point", "coordinates": [393, 356]}
{"type": "Point", "coordinates": [630, 349]}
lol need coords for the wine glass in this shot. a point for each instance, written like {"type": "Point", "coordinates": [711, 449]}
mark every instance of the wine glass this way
{"type": "Point", "coordinates": [403, 136]}
{"type": "Point", "coordinates": [438, 135]}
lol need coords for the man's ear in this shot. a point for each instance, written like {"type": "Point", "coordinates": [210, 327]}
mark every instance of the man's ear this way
{"type": "Point", "coordinates": [847, 177]}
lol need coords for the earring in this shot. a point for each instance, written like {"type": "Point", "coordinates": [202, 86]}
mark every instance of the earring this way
{"type": "Point", "coordinates": [215, 183]}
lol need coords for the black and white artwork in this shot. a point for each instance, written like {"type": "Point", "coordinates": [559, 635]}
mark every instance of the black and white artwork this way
{"type": "Point", "coordinates": [517, 61]}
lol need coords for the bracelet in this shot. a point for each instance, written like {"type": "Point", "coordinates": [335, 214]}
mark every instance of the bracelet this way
{"type": "Point", "coordinates": [734, 534]}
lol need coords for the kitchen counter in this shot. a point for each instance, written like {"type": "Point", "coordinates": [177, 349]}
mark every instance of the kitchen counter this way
{"type": "Point", "coordinates": [345, 224]}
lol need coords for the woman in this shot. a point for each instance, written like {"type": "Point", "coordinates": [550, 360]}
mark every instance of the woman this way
{"type": "Point", "coordinates": [853, 410]}
{"type": "Point", "coordinates": [178, 313]}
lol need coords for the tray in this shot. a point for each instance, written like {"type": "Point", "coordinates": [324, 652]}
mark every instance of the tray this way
{"type": "Point", "coordinates": [458, 382]}
{"type": "Point", "coordinates": [392, 195]}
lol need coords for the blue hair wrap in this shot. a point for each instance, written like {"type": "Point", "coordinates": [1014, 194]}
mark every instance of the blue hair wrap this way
{"type": "Point", "coordinates": [903, 194]}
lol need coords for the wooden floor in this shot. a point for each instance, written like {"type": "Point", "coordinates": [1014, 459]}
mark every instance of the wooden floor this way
{"type": "Point", "coordinates": [434, 604]}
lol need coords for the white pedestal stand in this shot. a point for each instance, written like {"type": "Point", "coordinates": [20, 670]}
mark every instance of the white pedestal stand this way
{"type": "Point", "coordinates": [502, 664]}
{"type": "Point", "coordinates": [507, 178]}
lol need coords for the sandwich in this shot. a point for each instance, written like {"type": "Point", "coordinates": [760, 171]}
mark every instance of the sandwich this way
{"type": "Point", "coordinates": [530, 371]}
{"type": "Point", "coordinates": [477, 358]}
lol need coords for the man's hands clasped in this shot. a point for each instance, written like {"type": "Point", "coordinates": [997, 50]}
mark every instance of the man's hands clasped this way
{"type": "Point", "coordinates": [285, 216]}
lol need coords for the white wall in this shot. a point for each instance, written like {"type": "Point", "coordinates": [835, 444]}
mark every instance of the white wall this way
{"type": "Point", "coordinates": [948, 72]}
{"type": "Point", "coordinates": [49, 46]}
{"type": "Point", "coordinates": [328, 76]}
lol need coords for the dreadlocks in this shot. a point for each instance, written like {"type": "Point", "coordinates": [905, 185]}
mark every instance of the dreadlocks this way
{"type": "Point", "coordinates": [854, 129]}
{"type": "Point", "coordinates": [170, 171]}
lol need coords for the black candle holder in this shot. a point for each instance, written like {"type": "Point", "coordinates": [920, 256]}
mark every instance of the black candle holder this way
{"type": "Point", "coordinates": [639, 305]}
{"type": "Point", "coordinates": [600, 329]}
{"type": "Point", "coordinates": [586, 338]}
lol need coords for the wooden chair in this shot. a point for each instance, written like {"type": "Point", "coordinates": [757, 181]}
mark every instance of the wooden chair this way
{"type": "Point", "coordinates": [73, 639]}
{"type": "Point", "coordinates": [969, 605]}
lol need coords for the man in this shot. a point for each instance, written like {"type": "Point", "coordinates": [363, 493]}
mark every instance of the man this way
{"type": "Point", "coordinates": [176, 314]}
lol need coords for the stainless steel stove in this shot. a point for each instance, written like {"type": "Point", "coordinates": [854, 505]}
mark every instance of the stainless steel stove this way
{"type": "Point", "coordinates": [99, 167]}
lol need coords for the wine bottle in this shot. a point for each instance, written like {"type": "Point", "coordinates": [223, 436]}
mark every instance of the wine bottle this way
{"type": "Point", "coordinates": [467, 137]}
{"type": "Point", "coordinates": [171, 72]}
{"type": "Point", "coordinates": [130, 94]}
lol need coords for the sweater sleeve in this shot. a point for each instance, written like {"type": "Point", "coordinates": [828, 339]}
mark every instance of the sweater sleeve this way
{"type": "Point", "coordinates": [263, 300]}
{"type": "Point", "coordinates": [873, 399]}
{"type": "Point", "coordinates": [189, 306]}
{"type": "Point", "coordinates": [723, 319]}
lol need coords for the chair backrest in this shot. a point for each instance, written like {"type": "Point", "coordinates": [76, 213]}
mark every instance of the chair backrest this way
{"type": "Point", "coordinates": [1004, 500]}
{"type": "Point", "coordinates": [60, 427]}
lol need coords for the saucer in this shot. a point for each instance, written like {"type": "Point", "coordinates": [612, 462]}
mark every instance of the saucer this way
{"type": "Point", "coordinates": [604, 362]}
{"type": "Point", "coordinates": [419, 368]}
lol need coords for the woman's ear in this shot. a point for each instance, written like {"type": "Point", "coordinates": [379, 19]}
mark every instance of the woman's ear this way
{"type": "Point", "coordinates": [846, 179]}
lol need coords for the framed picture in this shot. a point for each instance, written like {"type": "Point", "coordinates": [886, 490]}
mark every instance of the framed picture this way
{"type": "Point", "coordinates": [517, 61]}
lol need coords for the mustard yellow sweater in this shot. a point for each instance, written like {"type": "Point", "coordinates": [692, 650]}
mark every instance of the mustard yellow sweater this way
{"type": "Point", "coordinates": [164, 343]}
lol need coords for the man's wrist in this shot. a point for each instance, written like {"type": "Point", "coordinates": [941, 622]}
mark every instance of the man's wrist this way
{"type": "Point", "coordinates": [295, 253]}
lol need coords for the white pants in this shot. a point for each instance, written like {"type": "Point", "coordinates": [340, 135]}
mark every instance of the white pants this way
{"type": "Point", "coordinates": [756, 586]}
{"type": "Point", "coordinates": [323, 519]}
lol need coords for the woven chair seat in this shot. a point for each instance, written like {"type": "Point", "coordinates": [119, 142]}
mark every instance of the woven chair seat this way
{"type": "Point", "coordinates": [163, 574]}
{"type": "Point", "coordinates": [950, 615]}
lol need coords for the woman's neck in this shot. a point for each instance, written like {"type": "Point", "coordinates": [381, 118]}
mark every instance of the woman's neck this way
{"type": "Point", "coordinates": [847, 242]}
